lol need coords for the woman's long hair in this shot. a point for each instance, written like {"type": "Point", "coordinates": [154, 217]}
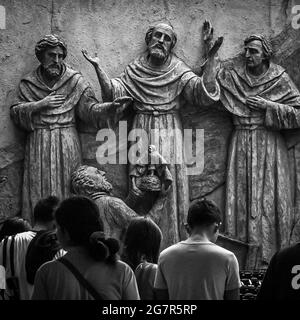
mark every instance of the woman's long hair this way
{"type": "Point", "coordinates": [142, 240]}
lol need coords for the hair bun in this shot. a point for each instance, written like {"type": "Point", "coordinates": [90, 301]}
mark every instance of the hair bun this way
{"type": "Point", "coordinates": [98, 247]}
{"type": "Point", "coordinates": [113, 245]}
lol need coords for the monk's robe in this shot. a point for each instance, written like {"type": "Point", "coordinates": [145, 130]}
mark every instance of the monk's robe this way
{"type": "Point", "coordinates": [259, 208]}
{"type": "Point", "coordinates": [52, 149]}
{"type": "Point", "coordinates": [158, 93]}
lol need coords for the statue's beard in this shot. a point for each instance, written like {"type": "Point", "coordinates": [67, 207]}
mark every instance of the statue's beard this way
{"type": "Point", "coordinates": [105, 186]}
{"type": "Point", "coordinates": [52, 71]}
{"type": "Point", "coordinates": [158, 52]}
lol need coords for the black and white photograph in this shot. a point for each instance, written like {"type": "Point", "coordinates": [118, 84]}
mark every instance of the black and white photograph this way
{"type": "Point", "coordinates": [149, 153]}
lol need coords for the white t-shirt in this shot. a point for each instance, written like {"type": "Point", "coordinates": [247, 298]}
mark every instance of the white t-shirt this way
{"type": "Point", "coordinates": [22, 241]}
{"type": "Point", "coordinates": [197, 271]}
{"type": "Point", "coordinates": [21, 244]}
{"type": "Point", "coordinates": [54, 281]}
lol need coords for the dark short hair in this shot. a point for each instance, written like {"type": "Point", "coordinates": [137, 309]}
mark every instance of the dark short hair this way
{"type": "Point", "coordinates": [49, 41]}
{"type": "Point", "coordinates": [80, 217]}
{"type": "Point", "coordinates": [44, 209]}
{"type": "Point", "coordinates": [13, 226]}
{"type": "Point", "coordinates": [203, 212]}
{"type": "Point", "coordinates": [143, 237]}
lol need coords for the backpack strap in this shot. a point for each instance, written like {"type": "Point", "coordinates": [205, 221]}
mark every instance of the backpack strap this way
{"type": "Point", "coordinates": [11, 255]}
{"type": "Point", "coordinates": [4, 251]}
{"type": "Point", "coordinates": [81, 279]}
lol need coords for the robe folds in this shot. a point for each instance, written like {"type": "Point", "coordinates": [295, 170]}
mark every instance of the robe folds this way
{"type": "Point", "coordinates": [259, 208]}
{"type": "Point", "coordinates": [158, 93]}
{"type": "Point", "coordinates": [52, 149]}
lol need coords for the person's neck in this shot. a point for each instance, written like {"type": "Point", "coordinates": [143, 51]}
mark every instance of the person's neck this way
{"type": "Point", "coordinates": [99, 194]}
{"type": "Point", "coordinates": [42, 226]}
{"type": "Point", "coordinates": [199, 236]}
{"type": "Point", "coordinates": [258, 70]}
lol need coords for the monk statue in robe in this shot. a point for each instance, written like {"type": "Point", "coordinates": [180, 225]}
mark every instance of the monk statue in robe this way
{"type": "Point", "coordinates": [47, 104]}
{"type": "Point", "coordinates": [160, 84]}
{"type": "Point", "coordinates": [261, 97]}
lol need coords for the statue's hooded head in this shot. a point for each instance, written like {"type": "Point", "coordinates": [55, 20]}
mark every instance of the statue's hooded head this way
{"type": "Point", "coordinates": [51, 50]}
{"type": "Point", "coordinates": [258, 50]}
{"type": "Point", "coordinates": [160, 40]}
{"type": "Point", "coordinates": [88, 181]}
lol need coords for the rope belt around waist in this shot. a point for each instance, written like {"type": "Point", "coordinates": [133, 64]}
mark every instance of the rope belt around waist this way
{"type": "Point", "coordinates": [156, 113]}
{"type": "Point", "coordinates": [54, 126]}
{"type": "Point", "coordinates": [250, 127]}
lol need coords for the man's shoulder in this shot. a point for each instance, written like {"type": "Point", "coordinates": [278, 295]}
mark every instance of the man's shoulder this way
{"type": "Point", "coordinates": [292, 251]}
{"type": "Point", "coordinates": [173, 248]}
{"type": "Point", "coordinates": [223, 252]}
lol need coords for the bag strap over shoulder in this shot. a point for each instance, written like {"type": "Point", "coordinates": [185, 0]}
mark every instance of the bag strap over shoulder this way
{"type": "Point", "coordinates": [4, 251]}
{"type": "Point", "coordinates": [11, 255]}
{"type": "Point", "coordinates": [81, 279]}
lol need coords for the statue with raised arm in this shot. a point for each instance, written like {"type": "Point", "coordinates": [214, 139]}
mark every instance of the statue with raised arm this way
{"type": "Point", "coordinates": [48, 101]}
{"type": "Point", "coordinates": [262, 100]}
{"type": "Point", "coordinates": [160, 83]}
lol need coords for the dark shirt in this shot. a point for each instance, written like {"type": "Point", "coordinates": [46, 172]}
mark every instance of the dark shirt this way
{"type": "Point", "coordinates": [282, 279]}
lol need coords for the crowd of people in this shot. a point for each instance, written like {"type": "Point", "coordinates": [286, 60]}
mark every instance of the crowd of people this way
{"type": "Point", "coordinates": [66, 255]}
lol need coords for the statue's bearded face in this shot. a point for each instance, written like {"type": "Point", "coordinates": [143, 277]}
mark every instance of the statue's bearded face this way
{"type": "Point", "coordinates": [254, 54]}
{"type": "Point", "coordinates": [52, 61]}
{"type": "Point", "coordinates": [99, 179]}
{"type": "Point", "coordinates": [160, 44]}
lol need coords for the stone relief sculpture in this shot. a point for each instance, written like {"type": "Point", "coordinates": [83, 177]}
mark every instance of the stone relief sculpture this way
{"type": "Point", "coordinates": [159, 82]}
{"type": "Point", "coordinates": [150, 179]}
{"type": "Point", "coordinates": [262, 100]}
{"type": "Point", "coordinates": [48, 101]}
{"type": "Point", "coordinates": [116, 215]}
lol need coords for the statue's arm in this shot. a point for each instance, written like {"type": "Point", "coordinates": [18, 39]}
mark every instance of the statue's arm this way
{"type": "Point", "coordinates": [105, 84]}
{"type": "Point", "coordinates": [104, 81]}
{"type": "Point", "coordinates": [280, 115]}
{"type": "Point", "coordinates": [196, 92]}
{"type": "Point", "coordinates": [91, 111]}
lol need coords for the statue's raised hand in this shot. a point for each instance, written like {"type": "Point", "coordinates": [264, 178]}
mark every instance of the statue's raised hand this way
{"type": "Point", "coordinates": [208, 31]}
{"type": "Point", "coordinates": [95, 61]}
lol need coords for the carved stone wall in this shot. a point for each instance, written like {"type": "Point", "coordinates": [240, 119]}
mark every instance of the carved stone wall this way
{"type": "Point", "coordinates": [116, 30]}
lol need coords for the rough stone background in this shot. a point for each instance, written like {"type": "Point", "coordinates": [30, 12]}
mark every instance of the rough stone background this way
{"type": "Point", "coordinates": [115, 30]}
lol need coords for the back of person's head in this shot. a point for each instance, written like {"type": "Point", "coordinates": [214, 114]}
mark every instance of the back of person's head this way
{"type": "Point", "coordinates": [203, 213]}
{"type": "Point", "coordinates": [13, 226]}
{"type": "Point", "coordinates": [142, 240]}
{"type": "Point", "coordinates": [44, 210]}
{"type": "Point", "coordinates": [80, 217]}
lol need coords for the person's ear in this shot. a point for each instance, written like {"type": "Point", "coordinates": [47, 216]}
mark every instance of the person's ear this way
{"type": "Point", "coordinates": [187, 228]}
